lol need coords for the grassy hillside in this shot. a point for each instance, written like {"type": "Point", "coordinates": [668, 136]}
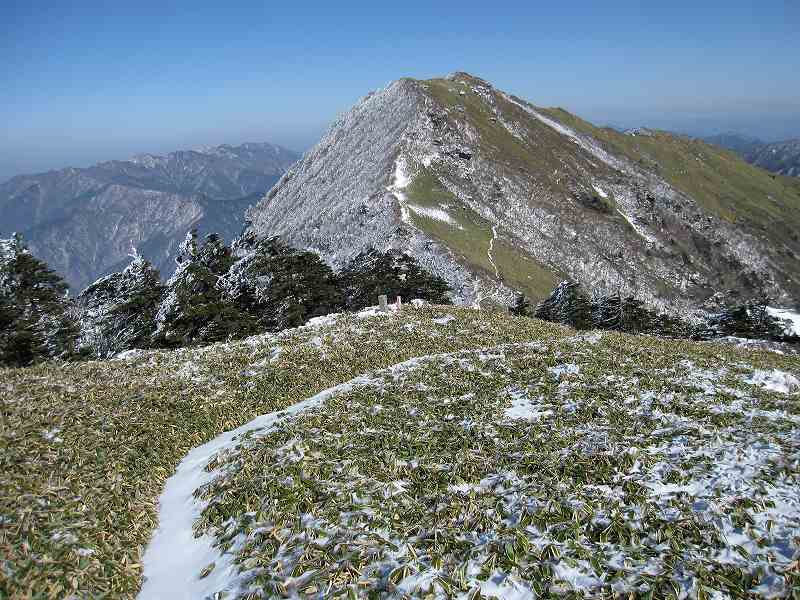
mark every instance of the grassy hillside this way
{"type": "Point", "coordinates": [718, 179]}
{"type": "Point", "coordinates": [469, 236]}
{"type": "Point", "coordinates": [547, 458]}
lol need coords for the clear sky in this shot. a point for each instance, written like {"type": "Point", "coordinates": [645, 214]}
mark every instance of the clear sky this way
{"type": "Point", "coordinates": [83, 81]}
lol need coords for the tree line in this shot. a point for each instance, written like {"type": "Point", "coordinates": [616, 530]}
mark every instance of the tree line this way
{"type": "Point", "coordinates": [569, 304]}
{"type": "Point", "coordinates": [217, 293]}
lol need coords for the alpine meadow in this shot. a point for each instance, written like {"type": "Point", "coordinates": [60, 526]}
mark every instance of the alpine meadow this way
{"type": "Point", "coordinates": [462, 344]}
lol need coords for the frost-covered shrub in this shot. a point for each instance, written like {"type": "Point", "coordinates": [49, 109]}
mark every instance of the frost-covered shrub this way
{"type": "Point", "coordinates": [569, 305]}
{"type": "Point", "coordinates": [393, 273]}
{"type": "Point", "coordinates": [35, 321]}
{"type": "Point", "coordinates": [280, 286]}
{"type": "Point", "coordinates": [118, 312]}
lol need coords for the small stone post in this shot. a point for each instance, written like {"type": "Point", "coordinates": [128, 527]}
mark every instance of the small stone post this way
{"type": "Point", "coordinates": [399, 302]}
{"type": "Point", "coordinates": [383, 305]}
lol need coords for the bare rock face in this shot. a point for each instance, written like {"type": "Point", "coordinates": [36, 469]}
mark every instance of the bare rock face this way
{"type": "Point", "coordinates": [83, 222]}
{"type": "Point", "coordinates": [496, 195]}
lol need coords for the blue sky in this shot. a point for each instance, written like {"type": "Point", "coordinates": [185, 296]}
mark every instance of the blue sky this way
{"type": "Point", "coordinates": [86, 81]}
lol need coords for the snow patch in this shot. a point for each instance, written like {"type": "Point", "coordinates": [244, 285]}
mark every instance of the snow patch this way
{"type": "Point", "coordinates": [323, 321]}
{"type": "Point", "coordinates": [638, 228]}
{"type": "Point", "coordinates": [444, 320]}
{"type": "Point", "coordinates": [775, 381]}
{"type": "Point", "coordinates": [790, 317]}
{"type": "Point", "coordinates": [52, 435]}
{"type": "Point", "coordinates": [491, 249]}
{"type": "Point", "coordinates": [401, 181]}
{"type": "Point", "coordinates": [567, 369]}
{"type": "Point", "coordinates": [174, 557]}
{"type": "Point", "coordinates": [437, 214]}
{"type": "Point", "coordinates": [525, 408]}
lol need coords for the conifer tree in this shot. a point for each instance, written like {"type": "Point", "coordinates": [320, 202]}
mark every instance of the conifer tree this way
{"type": "Point", "coordinates": [522, 307]}
{"type": "Point", "coordinates": [118, 312]}
{"type": "Point", "coordinates": [34, 308]}
{"type": "Point", "coordinates": [280, 286]}
{"type": "Point", "coordinates": [749, 320]}
{"type": "Point", "coordinates": [393, 273]}
{"type": "Point", "coordinates": [568, 305]}
{"type": "Point", "coordinates": [194, 309]}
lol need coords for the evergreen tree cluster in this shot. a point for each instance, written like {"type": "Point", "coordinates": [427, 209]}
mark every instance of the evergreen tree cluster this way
{"type": "Point", "coordinates": [219, 293]}
{"type": "Point", "coordinates": [749, 320]}
{"type": "Point", "coordinates": [392, 273]}
{"type": "Point", "coordinates": [216, 293]}
{"type": "Point", "coordinates": [569, 305]}
{"type": "Point", "coordinates": [34, 309]}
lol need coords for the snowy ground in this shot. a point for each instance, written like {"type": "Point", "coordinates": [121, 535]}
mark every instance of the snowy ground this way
{"type": "Point", "coordinates": [576, 465]}
{"type": "Point", "coordinates": [490, 469]}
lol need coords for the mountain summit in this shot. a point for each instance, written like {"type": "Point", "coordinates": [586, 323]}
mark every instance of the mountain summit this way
{"type": "Point", "coordinates": [497, 195]}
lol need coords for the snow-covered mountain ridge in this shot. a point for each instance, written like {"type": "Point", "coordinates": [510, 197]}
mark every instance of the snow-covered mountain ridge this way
{"type": "Point", "coordinates": [495, 194]}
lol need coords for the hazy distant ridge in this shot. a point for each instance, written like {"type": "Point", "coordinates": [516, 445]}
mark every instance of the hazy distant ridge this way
{"type": "Point", "coordinates": [83, 222]}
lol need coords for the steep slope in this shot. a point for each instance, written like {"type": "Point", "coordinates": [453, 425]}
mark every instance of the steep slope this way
{"type": "Point", "coordinates": [478, 183]}
{"type": "Point", "coordinates": [82, 222]}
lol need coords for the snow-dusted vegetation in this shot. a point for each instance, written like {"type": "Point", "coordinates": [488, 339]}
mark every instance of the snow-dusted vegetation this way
{"type": "Point", "coordinates": [517, 458]}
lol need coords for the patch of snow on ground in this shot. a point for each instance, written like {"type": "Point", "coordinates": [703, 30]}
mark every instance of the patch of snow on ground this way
{"type": "Point", "coordinates": [601, 191]}
{"type": "Point", "coordinates": [52, 435]}
{"type": "Point", "coordinates": [174, 557]}
{"type": "Point", "coordinates": [502, 585]}
{"type": "Point", "coordinates": [375, 311]}
{"type": "Point", "coordinates": [491, 249]}
{"type": "Point", "coordinates": [524, 407]}
{"type": "Point", "coordinates": [566, 369]}
{"type": "Point", "coordinates": [583, 141]}
{"type": "Point", "coordinates": [791, 318]}
{"type": "Point", "coordinates": [127, 354]}
{"type": "Point", "coordinates": [322, 321]}
{"type": "Point", "coordinates": [579, 577]}
{"type": "Point", "coordinates": [444, 320]}
{"type": "Point", "coordinates": [437, 214]}
{"type": "Point", "coordinates": [638, 228]}
{"type": "Point", "coordinates": [775, 381]}
{"type": "Point", "coordinates": [401, 181]}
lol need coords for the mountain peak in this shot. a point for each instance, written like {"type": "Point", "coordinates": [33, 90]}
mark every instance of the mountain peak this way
{"type": "Point", "coordinates": [467, 78]}
{"type": "Point", "coordinates": [498, 196]}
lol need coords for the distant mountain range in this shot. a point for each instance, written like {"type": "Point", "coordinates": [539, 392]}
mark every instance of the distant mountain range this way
{"type": "Point", "coordinates": [782, 158]}
{"type": "Point", "coordinates": [83, 222]}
